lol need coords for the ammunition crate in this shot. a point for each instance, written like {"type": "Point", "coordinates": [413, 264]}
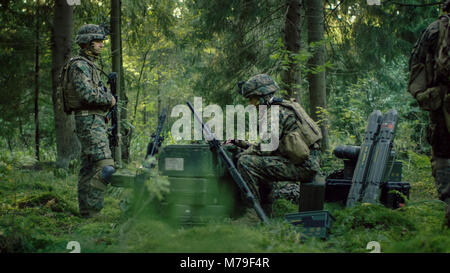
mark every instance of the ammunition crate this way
{"type": "Point", "coordinates": [200, 191]}
{"type": "Point", "coordinates": [200, 186]}
{"type": "Point", "coordinates": [396, 172]}
{"type": "Point", "coordinates": [183, 214]}
{"type": "Point", "coordinates": [389, 196]}
{"type": "Point", "coordinates": [196, 160]}
{"type": "Point", "coordinates": [312, 223]}
{"type": "Point", "coordinates": [336, 190]}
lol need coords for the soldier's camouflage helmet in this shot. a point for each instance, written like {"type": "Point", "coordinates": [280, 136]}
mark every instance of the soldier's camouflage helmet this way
{"type": "Point", "coordinates": [90, 32]}
{"type": "Point", "coordinates": [259, 85]}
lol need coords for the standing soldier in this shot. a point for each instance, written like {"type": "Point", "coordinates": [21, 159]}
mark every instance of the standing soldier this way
{"type": "Point", "coordinates": [297, 156]}
{"type": "Point", "coordinates": [429, 83]}
{"type": "Point", "coordinates": [86, 96]}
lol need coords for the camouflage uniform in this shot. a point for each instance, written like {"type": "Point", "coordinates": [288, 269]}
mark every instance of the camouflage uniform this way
{"type": "Point", "coordinates": [438, 135]}
{"type": "Point", "coordinates": [92, 101]}
{"type": "Point", "coordinates": [261, 168]}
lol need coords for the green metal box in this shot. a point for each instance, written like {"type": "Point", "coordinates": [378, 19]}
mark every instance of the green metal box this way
{"type": "Point", "coordinates": [200, 185]}
{"type": "Point", "coordinates": [195, 160]}
{"type": "Point", "coordinates": [183, 214]}
{"type": "Point", "coordinates": [312, 223]}
{"type": "Point", "coordinates": [200, 191]}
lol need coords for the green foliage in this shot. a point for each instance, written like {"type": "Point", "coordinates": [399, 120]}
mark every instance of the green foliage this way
{"type": "Point", "coordinates": [44, 219]}
{"type": "Point", "coordinates": [174, 50]}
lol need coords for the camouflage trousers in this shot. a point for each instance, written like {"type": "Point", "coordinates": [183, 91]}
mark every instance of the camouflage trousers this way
{"type": "Point", "coordinates": [95, 154]}
{"type": "Point", "coordinates": [260, 172]}
{"type": "Point", "coordinates": [441, 172]}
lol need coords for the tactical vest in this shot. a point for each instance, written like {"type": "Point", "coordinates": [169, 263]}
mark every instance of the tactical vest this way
{"type": "Point", "coordinates": [296, 145]}
{"type": "Point", "coordinates": [71, 98]}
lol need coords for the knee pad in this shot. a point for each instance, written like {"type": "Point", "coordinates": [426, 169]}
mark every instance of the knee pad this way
{"type": "Point", "coordinates": [107, 173]}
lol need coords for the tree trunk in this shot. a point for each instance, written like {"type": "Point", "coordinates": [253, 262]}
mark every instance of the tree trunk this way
{"type": "Point", "coordinates": [67, 144]}
{"type": "Point", "coordinates": [126, 132]}
{"type": "Point", "coordinates": [317, 87]}
{"type": "Point", "coordinates": [292, 34]}
{"type": "Point", "coordinates": [36, 86]}
{"type": "Point", "coordinates": [116, 57]}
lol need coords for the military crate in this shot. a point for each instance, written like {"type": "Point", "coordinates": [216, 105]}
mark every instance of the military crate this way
{"type": "Point", "coordinates": [200, 191]}
{"type": "Point", "coordinates": [336, 190]}
{"type": "Point", "coordinates": [312, 223]}
{"type": "Point", "coordinates": [395, 174]}
{"type": "Point", "coordinates": [195, 160]}
{"type": "Point", "coordinates": [200, 185]}
{"type": "Point", "coordinates": [183, 214]}
{"type": "Point", "coordinates": [393, 193]}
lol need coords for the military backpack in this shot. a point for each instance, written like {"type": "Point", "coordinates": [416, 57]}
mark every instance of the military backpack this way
{"type": "Point", "coordinates": [296, 144]}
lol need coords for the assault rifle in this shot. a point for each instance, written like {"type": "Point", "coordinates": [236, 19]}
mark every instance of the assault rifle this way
{"type": "Point", "coordinates": [112, 115]}
{"type": "Point", "coordinates": [243, 187]}
{"type": "Point", "coordinates": [152, 147]}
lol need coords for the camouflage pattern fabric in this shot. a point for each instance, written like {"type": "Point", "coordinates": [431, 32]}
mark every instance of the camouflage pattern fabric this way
{"type": "Point", "coordinates": [286, 190]}
{"type": "Point", "coordinates": [92, 133]}
{"type": "Point", "coordinates": [437, 133]}
{"type": "Point", "coordinates": [259, 85]}
{"type": "Point", "coordinates": [261, 171]}
{"type": "Point", "coordinates": [287, 124]}
{"type": "Point", "coordinates": [88, 86]}
{"type": "Point", "coordinates": [261, 168]}
{"type": "Point", "coordinates": [88, 33]}
{"type": "Point", "coordinates": [441, 173]}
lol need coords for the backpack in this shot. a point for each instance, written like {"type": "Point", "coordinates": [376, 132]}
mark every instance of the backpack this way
{"type": "Point", "coordinates": [296, 144]}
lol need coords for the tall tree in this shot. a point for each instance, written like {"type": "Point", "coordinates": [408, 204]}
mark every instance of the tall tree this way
{"type": "Point", "coordinates": [36, 85]}
{"type": "Point", "coordinates": [292, 40]}
{"type": "Point", "coordinates": [67, 144]}
{"type": "Point", "coordinates": [116, 61]}
{"type": "Point", "coordinates": [316, 74]}
{"type": "Point", "coordinates": [125, 130]}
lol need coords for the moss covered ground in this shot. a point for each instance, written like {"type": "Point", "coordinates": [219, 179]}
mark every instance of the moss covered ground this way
{"type": "Point", "coordinates": [38, 213]}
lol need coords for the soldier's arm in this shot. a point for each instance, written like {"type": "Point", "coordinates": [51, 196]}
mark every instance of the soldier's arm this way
{"type": "Point", "coordinates": [90, 94]}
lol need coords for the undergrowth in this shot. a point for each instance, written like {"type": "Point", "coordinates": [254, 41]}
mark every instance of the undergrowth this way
{"type": "Point", "coordinates": [38, 213]}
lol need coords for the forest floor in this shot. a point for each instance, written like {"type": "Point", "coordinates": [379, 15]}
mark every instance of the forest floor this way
{"type": "Point", "coordinates": [38, 213]}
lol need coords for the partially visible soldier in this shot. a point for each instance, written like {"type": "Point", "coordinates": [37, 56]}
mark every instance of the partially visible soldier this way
{"type": "Point", "coordinates": [86, 96]}
{"type": "Point", "coordinates": [297, 156]}
{"type": "Point", "coordinates": [429, 83]}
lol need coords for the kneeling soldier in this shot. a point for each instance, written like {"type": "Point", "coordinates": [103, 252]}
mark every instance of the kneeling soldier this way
{"type": "Point", "coordinates": [297, 156]}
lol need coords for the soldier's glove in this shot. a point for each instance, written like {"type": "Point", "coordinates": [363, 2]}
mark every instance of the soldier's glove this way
{"type": "Point", "coordinates": [249, 151]}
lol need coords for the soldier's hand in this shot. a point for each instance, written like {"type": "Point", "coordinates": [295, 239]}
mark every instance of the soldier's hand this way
{"type": "Point", "coordinates": [113, 101]}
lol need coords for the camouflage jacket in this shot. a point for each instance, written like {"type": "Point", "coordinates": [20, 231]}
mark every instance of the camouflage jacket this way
{"type": "Point", "coordinates": [424, 51]}
{"type": "Point", "coordinates": [87, 85]}
{"type": "Point", "coordinates": [287, 122]}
